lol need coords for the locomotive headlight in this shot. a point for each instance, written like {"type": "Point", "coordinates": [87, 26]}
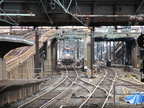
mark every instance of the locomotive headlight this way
{"type": "Point", "coordinates": [67, 54]}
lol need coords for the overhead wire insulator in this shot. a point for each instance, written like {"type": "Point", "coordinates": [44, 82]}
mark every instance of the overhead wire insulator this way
{"type": "Point", "coordinates": [132, 18]}
{"type": "Point", "coordinates": [140, 18]}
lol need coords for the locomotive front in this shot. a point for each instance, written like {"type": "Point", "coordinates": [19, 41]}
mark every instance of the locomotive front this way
{"type": "Point", "coordinates": [67, 56]}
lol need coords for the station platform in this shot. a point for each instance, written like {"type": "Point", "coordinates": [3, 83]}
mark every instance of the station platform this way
{"type": "Point", "coordinates": [16, 89]}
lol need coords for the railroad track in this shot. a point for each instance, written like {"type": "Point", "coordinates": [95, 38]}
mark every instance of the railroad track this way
{"type": "Point", "coordinates": [73, 77]}
{"type": "Point", "coordinates": [129, 80]}
{"type": "Point", "coordinates": [130, 86]}
{"type": "Point", "coordinates": [103, 85]}
{"type": "Point", "coordinates": [53, 97]}
{"type": "Point", "coordinates": [34, 103]}
{"type": "Point", "coordinates": [91, 92]}
{"type": "Point", "coordinates": [86, 86]}
{"type": "Point", "coordinates": [79, 84]}
{"type": "Point", "coordinates": [97, 92]}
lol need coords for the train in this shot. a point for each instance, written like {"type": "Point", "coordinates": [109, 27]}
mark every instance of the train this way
{"type": "Point", "coordinates": [68, 57]}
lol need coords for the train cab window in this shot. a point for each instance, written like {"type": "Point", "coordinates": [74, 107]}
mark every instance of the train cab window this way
{"type": "Point", "coordinates": [70, 52]}
{"type": "Point", "coordinates": [64, 52]}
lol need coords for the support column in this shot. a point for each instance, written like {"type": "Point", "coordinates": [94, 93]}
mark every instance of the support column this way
{"type": "Point", "coordinates": [54, 55]}
{"type": "Point", "coordinates": [101, 51]}
{"type": "Point", "coordinates": [97, 47]}
{"type": "Point", "coordinates": [37, 70]}
{"type": "Point", "coordinates": [11, 30]}
{"type": "Point", "coordinates": [130, 46]}
{"type": "Point", "coordinates": [86, 50]}
{"type": "Point", "coordinates": [107, 53]}
{"type": "Point", "coordinates": [2, 69]}
{"type": "Point", "coordinates": [128, 53]}
{"type": "Point", "coordinates": [110, 51]}
{"type": "Point", "coordinates": [77, 49]}
{"type": "Point", "coordinates": [114, 55]}
{"type": "Point", "coordinates": [92, 51]}
{"type": "Point", "coordinates": [134, 55]}
{"type": "Point", "coordinates": [123, 52]}
{"type": "Point", "coordinates": [48, 61]}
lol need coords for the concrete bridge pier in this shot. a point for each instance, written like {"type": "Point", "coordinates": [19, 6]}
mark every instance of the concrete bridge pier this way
{"type": "Point", "coordinates": [131, 56]}
{"type": "Point", "coordinates": [130, 52]}
{"type": "Point", "coordinates": [50, 61]}
{"type": "Point", "coordinates": [2, 68]}
{"type": "Point", "coordinates": [135, 56]}
{"type": "Point", "coordinates": [86, 52]}
{"type": "Point", "coordinates": [92, 59]}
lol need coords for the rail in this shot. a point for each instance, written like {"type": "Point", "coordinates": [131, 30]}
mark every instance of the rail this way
{"type": "Point", "coordinates": [56, 97]}
{"type": "Point", "coordinates": [36, 98]}
{"type": "Point", "coordinates": [98, 86]}
{"type": "Point", "coordinates": [111, 88]}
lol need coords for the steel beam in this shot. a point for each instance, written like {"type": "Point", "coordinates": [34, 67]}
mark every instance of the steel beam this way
{"type": "Point", "coordinates": [107, 15]}
{"type": "Point", "coordinates": [20, 1]}
{"type": "Point", "coordinates": [5, 14]}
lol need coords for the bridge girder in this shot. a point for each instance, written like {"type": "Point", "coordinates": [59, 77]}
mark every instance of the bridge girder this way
{"type": "Point", "coordinates": [49, 13]}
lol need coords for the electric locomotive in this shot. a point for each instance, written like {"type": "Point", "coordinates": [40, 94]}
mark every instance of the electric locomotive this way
{"type": "Point", "coordinates": [67, 56]}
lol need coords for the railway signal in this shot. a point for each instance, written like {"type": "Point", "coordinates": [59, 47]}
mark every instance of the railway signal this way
{"type": "Point", "coordinates": [140, 40]}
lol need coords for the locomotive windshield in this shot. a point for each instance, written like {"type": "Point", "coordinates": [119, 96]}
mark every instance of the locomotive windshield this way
{"type": "Point", "coordinates": [70, 52]}
{"type": "Point", "coordinates": [64, 51]}
{"type": "Point", "coordinates": [67, 51]}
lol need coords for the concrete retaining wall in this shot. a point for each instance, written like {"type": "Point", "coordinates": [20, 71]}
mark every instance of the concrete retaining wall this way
{"type": "Point", "coordinates": [23, 71]}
